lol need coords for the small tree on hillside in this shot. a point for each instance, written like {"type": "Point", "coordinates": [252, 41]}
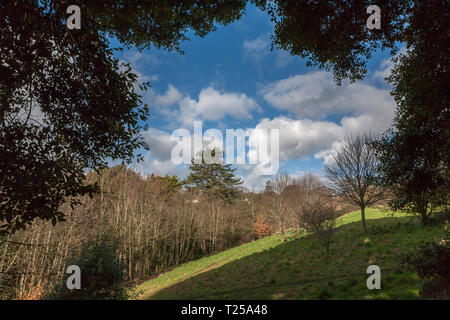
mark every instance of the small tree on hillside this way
{"type": "Point", "coordinates": [353, 172]}
{"type": "Point", "coordinates": [318, 215]}
{"type": "Point", "coordinates": [261, 228]}
{"type": "Point", "coordinates": [302, 191]}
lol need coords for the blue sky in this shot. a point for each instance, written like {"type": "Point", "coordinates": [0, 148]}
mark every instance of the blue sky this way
{"type": "Point", "coordinates": [231, 79]}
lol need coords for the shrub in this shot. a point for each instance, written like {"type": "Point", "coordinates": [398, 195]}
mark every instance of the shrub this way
{"type": "Point", "coordinates": [262, 228]}
{"type": "Point", "coordinates": [101, 274]}
{"type": "Point", "coordinates": [432, 263]}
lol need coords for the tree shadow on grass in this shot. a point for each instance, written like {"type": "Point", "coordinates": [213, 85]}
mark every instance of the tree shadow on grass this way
{"type": "Point", "coordinates": [300, 269]}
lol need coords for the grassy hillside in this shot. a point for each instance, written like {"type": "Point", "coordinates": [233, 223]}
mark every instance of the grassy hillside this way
{"type": "Point", "coordinates": [300, 268]}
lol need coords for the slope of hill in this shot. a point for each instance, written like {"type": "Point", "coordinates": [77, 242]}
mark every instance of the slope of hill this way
{"type": "Point", "coordinates": [300, 268]}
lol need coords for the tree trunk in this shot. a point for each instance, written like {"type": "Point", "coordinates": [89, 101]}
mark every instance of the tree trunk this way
{"type": "Point", "coordinates": [282, 234]}
{"type": "Point", "coordinates": [424, 216]}
{"type": "Point", "coordinates": [363, 218]}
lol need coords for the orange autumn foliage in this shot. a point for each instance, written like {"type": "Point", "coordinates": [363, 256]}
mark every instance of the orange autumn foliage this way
{"type": "Point", "coordinates": [261, 228]}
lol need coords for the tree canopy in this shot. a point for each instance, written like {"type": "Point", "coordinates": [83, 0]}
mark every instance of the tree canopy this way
{"type": "Point", "coordinates": [334, 34]}
{"type": "Point", "coordinates": [67, 104]}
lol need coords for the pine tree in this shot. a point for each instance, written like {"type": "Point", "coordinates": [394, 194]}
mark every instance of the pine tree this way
{"type": "Point", "coordinates": [217, 180]}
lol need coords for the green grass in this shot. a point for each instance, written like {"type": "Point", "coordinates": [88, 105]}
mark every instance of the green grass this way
{"type": "Point", "coordinates": [300, 268]}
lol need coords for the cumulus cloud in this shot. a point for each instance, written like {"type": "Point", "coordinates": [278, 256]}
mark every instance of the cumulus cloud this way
{"type": "Point", "coordinates": [325, 113]}
{"type": "Point", "coordinates": [158, 159]}
{"type": "Point", "coordinates": [384, 71]}
{"type": "Point", "coordinates": [213, 105]}
{"type": "Point", "coordinates": [137, 61]}
{"type": "Point", "coordinates": [386, 67]}
{"type": "Point", "coordinates": [300, 138]}
{"type": "Point", "coordinates": [136, 58]}
{"type": "Point", "coordinates": [169, 98]}
{"type": "Point", "coordinates": [259, 48]}
{"type": "Point", "coordinates": [315, 95]}
{"type": "Point", "coordinates": [158, 167]}
{"type": "Point", "coordinates": [303, 138]}
{"type": "Point", "coordinates": [160, 143]}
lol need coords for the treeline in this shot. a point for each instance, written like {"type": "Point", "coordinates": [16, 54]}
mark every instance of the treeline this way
{"type": "Point", "coordinates": [156, 223]}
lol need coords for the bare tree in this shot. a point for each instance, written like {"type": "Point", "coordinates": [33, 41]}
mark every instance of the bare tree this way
{"type": "Point", "coordinates": [302, 190]}
{"type": "Point", "coordinates": [277, 203]}
{"type": "Point", "coordinates": [317, 214]}
{"type": "Point", "coordinates": [353, 172]}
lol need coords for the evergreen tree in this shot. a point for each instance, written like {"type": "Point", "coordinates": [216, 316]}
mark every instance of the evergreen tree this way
{"type": "Point", "coordinates": [214, 178]}
{"type": "Point", "coordinates": [415, 154]}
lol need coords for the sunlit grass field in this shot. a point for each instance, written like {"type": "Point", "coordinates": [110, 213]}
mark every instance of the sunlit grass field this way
{"type": "Point", "coordinates": [300, 268]}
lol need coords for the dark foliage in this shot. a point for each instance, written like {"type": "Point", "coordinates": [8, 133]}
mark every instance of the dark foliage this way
{"type": "Point", "coordinates": [432, 263]}
{"type": "Point", "coordinates": [334, 35]}
{"type": "Point", "coordinates": [102, 277]}
{"type": "Point", "coordinates": [66, 103]}
{"type": "Point", "coordinates": [415, 154]}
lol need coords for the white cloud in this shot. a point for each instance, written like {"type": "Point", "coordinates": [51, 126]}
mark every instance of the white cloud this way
{"type": "Point", "coordinates": [138, 61]}
{"type": "Point", "coordinates": [213, 105]}
{"type": "Point", "coordinates": [386, 67]}
{"type": "Point", "coordinates": [327, 153]}
{"type": "Point", "coordinates": [136, 58]}
{"type": "Point", "coordinates": [169, 98]}
{"type": "Point", "coordinates": [325, 113]}
{"type": "Point", "coordinates": [257, 48]}
{"type": "Point", "coordinates": [158, 159]}
{"type": "Point", "coordinates": [301, 138]}
{"type": "Point", "coordinates": [385, 71]}
{"type": "Point", "coordinates": [159, 167]}
{"type": "Point", "coordinates": [160, 143]}
{"type": "Point", "coordinates": [315, 95]}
